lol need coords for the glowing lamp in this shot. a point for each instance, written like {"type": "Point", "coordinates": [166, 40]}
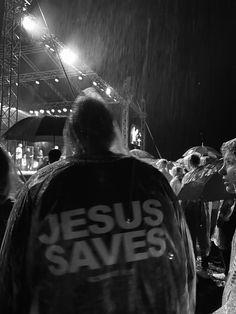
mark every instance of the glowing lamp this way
{"type": "Point", "coordinates": [31, 25]}
{"type": "Point", "coordinates": [108, 91]}
{"type": "Point", "coordinates": [68, 56]}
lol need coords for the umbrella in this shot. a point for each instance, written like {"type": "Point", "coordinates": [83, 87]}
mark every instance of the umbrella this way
{"type": "Point", "coordinates": [140, 153]}
{"type": "Point", "coordinates": [205, 183]}
{"type": "Point", "coordinates": [36, 129]}
{"type": "Point", "coordinates": [203, 150]}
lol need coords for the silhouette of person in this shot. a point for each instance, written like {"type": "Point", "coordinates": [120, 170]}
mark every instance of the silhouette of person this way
{"type": "Point", "coordinates": [54, 155]}
{"type": "Point", "coordinates": [19, 155]}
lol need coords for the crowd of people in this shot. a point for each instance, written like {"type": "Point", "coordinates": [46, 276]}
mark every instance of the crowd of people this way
{"type": "Point", "coordinates": [97, 230]}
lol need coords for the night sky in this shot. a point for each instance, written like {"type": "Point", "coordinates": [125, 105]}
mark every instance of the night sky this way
{"type": "Point", "coordinates": [178, 56]}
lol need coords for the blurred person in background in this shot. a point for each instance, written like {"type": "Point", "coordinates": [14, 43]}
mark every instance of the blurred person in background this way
{"type": "Point", "coordinates": [176, 182]}
{"type": "Point", "coordinates": [28, 155]}
{"type": "Point", "coordinates": [97, 232]}
{"type": "Point", "coordinates": [228, 172]}
{"type": "Point", "coordinates": [40, 156]}
{"type": "Point", "coordinates": [54, 155]}
{"type": "Point", "coordinates": [224, 230]}
{"type": "Point", "coordinates": [19, 156]}
{"type": "Point", "coordinates": [193, 162]}
{"type": "Point", "coordinates": [163, 166]}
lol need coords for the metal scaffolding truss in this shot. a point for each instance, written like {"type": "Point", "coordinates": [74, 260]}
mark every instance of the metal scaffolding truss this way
{"type": "Point", "coordinates": [10, 63]}
{"type": "Point", "coordinates": [52, 105]}
{"type": "Point", "coordinates": [15, 49]}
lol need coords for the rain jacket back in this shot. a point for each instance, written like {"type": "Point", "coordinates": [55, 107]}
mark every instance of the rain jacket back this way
{"type": "Point", "coordinates": [97, 236]}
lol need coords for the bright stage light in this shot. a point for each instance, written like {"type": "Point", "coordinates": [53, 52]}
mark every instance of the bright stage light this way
{"type": "Point", "coordinates": [41, 111]}
{"type": "Point", "coordinates": [68, 56]}
{"type": "Point", "coordinates": [64, 109]}
{"type": "Point", "coordinates": [29, 23]}
{"type": "Point", "coordinates": [108, 91]}
{"type": "Point", "coordinates": [32, 25]}
{"type": "Point", "coordinates": [56, 80]}
{"type": "Point", "coordinates": [95, 84]}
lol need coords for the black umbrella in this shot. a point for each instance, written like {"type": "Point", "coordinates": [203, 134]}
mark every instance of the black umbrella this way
{"type": "Point", "coordinates": [205, 183]}
{"type": "Point", "coordinates": [36, 129]}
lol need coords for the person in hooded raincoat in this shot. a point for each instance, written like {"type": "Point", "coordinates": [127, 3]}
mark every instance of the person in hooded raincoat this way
{"type": "Point", "coordinates": [97, 232]}
{"type": "Point", "coordinates": [228, 172]}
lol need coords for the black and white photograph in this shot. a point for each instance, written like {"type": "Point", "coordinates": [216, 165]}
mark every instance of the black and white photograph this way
{"type": "Point", "coordinates": [117, 157]}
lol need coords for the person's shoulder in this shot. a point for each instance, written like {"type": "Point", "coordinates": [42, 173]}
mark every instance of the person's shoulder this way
{"type": "Point", "coordinates": [47, 173]}
{"type": "Point", "coordinates": [142, 165]}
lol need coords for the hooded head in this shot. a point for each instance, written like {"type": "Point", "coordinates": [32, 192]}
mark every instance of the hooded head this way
{"type": "Point", "coordinates": [90, 128]}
